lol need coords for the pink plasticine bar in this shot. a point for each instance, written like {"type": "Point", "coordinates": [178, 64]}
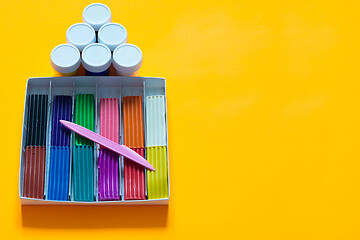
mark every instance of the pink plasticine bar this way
{"type": "Point", "coordinates": [120, 149]}
{"type": "Point", "coordinates": [109, 118]}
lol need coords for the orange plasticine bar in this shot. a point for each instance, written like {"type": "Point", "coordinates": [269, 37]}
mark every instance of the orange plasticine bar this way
{"type": "Point", "coordinates": [133, 122]}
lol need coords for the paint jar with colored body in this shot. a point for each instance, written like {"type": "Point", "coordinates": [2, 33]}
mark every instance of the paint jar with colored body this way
{"type": "Point", "coordinates": [96, 15]}
{"type": "Point", "coordinates": [65, 59]}
{"type": "Point", "coordinates": [127, 60]}
{"type": "Point", "coordinates": [112, 35]}
{"type": "Point", "coordinates": [80, 35]}
{"type": "Point", "coordinates": [96, 59]}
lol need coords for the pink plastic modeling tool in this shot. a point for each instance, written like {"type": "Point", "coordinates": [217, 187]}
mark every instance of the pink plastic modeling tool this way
{"type": "Point", "coordinates": [103, 141]}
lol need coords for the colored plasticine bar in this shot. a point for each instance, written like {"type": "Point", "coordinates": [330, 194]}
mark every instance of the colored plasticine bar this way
{"type": "Point", "coordinates": [109, 118]}
{"type": "Point", "coordinates": [60, 135]}
{"type": "Point", "coordinates": [34, 174]}
{"type": "Point", "coordinates": [37, 119]}
{"type": "Point", "coordinates": [134, 177]}
{"type": "Point", "coordinates": [58, 182]}
{"type": "Point", "coordinates": [108, 175]}
{"type": "Point", "coordinates": [84, 116]}
{"type": "Point", "coordinates": [83, 173]}
{"type": "Point", "coordinates": [157, 181]}
{"type": "Point", "coordinates": [108, 167]}
{"type": "Point", "coordinates": [133, 122]}
{"type": "Point", "coordinates": [155, 121]}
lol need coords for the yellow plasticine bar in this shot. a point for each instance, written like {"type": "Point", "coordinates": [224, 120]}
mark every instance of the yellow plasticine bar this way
{"type": "Point", "coordinates": [157, 180]}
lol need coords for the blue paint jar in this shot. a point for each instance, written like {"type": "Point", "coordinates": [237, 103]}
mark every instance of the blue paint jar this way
{"type": "Point", "coordinates": [96, 59]}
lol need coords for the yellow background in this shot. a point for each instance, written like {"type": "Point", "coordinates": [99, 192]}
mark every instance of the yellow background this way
{"type": "Point", "coordinates": [263, 110]}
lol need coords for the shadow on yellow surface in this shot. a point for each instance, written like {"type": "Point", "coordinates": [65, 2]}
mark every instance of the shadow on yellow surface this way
{"type": "Point", "coordinates": [94, 216]}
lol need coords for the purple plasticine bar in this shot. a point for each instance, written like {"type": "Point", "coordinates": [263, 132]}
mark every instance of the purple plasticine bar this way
{"type": "Point", "coordinates": [108, 175]}
{"type": "Point", "coordinates": [60, 135]}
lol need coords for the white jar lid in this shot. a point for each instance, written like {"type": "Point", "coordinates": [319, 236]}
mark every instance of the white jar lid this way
{"type": "Point", "coordinates": [112, 35]}
{"type": "Point", "coordinates": [65, 58]}
{"type": "Point", "coordinates": [127, 58]}
{"type": "Point", "coordinates": [96, 57]}
{"type": "Point", "coordinates": [96, 14]}
{"type": "Point", "coordinates": [80, 35]}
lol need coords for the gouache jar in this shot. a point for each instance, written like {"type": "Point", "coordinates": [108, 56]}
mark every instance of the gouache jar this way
{"type": "Point", "coordinates": [80, 35]}
{"type": "Point", "coordinates": [96, 15]}
{"type": "Point", "coordinates": [96, 59]}
{"type": "Point", "coordinates": [65, 59]}
{"type": "Point", "coordinates": [112, 35]}
{"type": "Point", "coordinates": [127, 60]}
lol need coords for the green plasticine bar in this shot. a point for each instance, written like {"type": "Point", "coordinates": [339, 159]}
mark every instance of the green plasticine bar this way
{"type": "Point", "coordinates": [157, 180]}
{"type": "Point", "coordinates": [84, 116]}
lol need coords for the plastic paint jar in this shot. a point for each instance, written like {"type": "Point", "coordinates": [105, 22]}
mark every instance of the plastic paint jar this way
{"type": "Point", "coordinates": [127, 60]}
{"type": "Point", "coordinates": [96, 15]}
{"type": "Point", "coordinates": [80, 35]}
{"type": "Point", "coordinates": [112, 35]}
{"type": "Point", "coordinates": [65, 59]}
{"type": "Point", "coordinates": [96, 59]}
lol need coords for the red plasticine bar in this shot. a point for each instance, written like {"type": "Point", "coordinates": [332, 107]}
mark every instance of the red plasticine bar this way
{"type": "Point", "coordinates": [34, 174]}
{"type": "Point", "coordinates": [134, 176]}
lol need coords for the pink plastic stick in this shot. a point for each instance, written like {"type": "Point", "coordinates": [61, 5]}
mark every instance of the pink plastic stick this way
{"type": "Point", "coordinates": [120, 149]}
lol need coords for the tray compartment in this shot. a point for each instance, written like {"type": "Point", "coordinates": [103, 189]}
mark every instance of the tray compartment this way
{"type": "Point", "coordinates": [62, 110]}
{"type": "Point", "coordinates": [59, 169]}
{"type": "Point", "coordinates": [157, 180]}
{"type": "Point", "coordinates": [108, 175]}
{"type": "Point", "coordinates": [134, 176]}
{"type": "Point", "coordinates": [37, 120]}
{"type": "Point", "coordinates": [34, 174]}
{"type": "Point", "coordinates": [83, 173]}
{"type": "Point", "coordinates": [155, 121]}
{"type": "Point", "coordinates": [84, 116]}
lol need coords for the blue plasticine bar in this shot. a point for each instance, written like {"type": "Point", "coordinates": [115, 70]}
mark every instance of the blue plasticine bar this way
{"type": "Point", "coordinates": [58, 188]}
{"type": "Point", "coordinates": [60, 135]}
{"type": "Point", "coordinates": [83, 173]}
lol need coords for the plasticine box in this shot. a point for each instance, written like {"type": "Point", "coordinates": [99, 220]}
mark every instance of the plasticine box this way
{"type": "Point", "coordinates": [37, 138]}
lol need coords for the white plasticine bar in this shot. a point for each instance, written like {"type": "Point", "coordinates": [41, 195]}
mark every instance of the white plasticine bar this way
{"type": "Point", "coordinates": [155, 121]}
